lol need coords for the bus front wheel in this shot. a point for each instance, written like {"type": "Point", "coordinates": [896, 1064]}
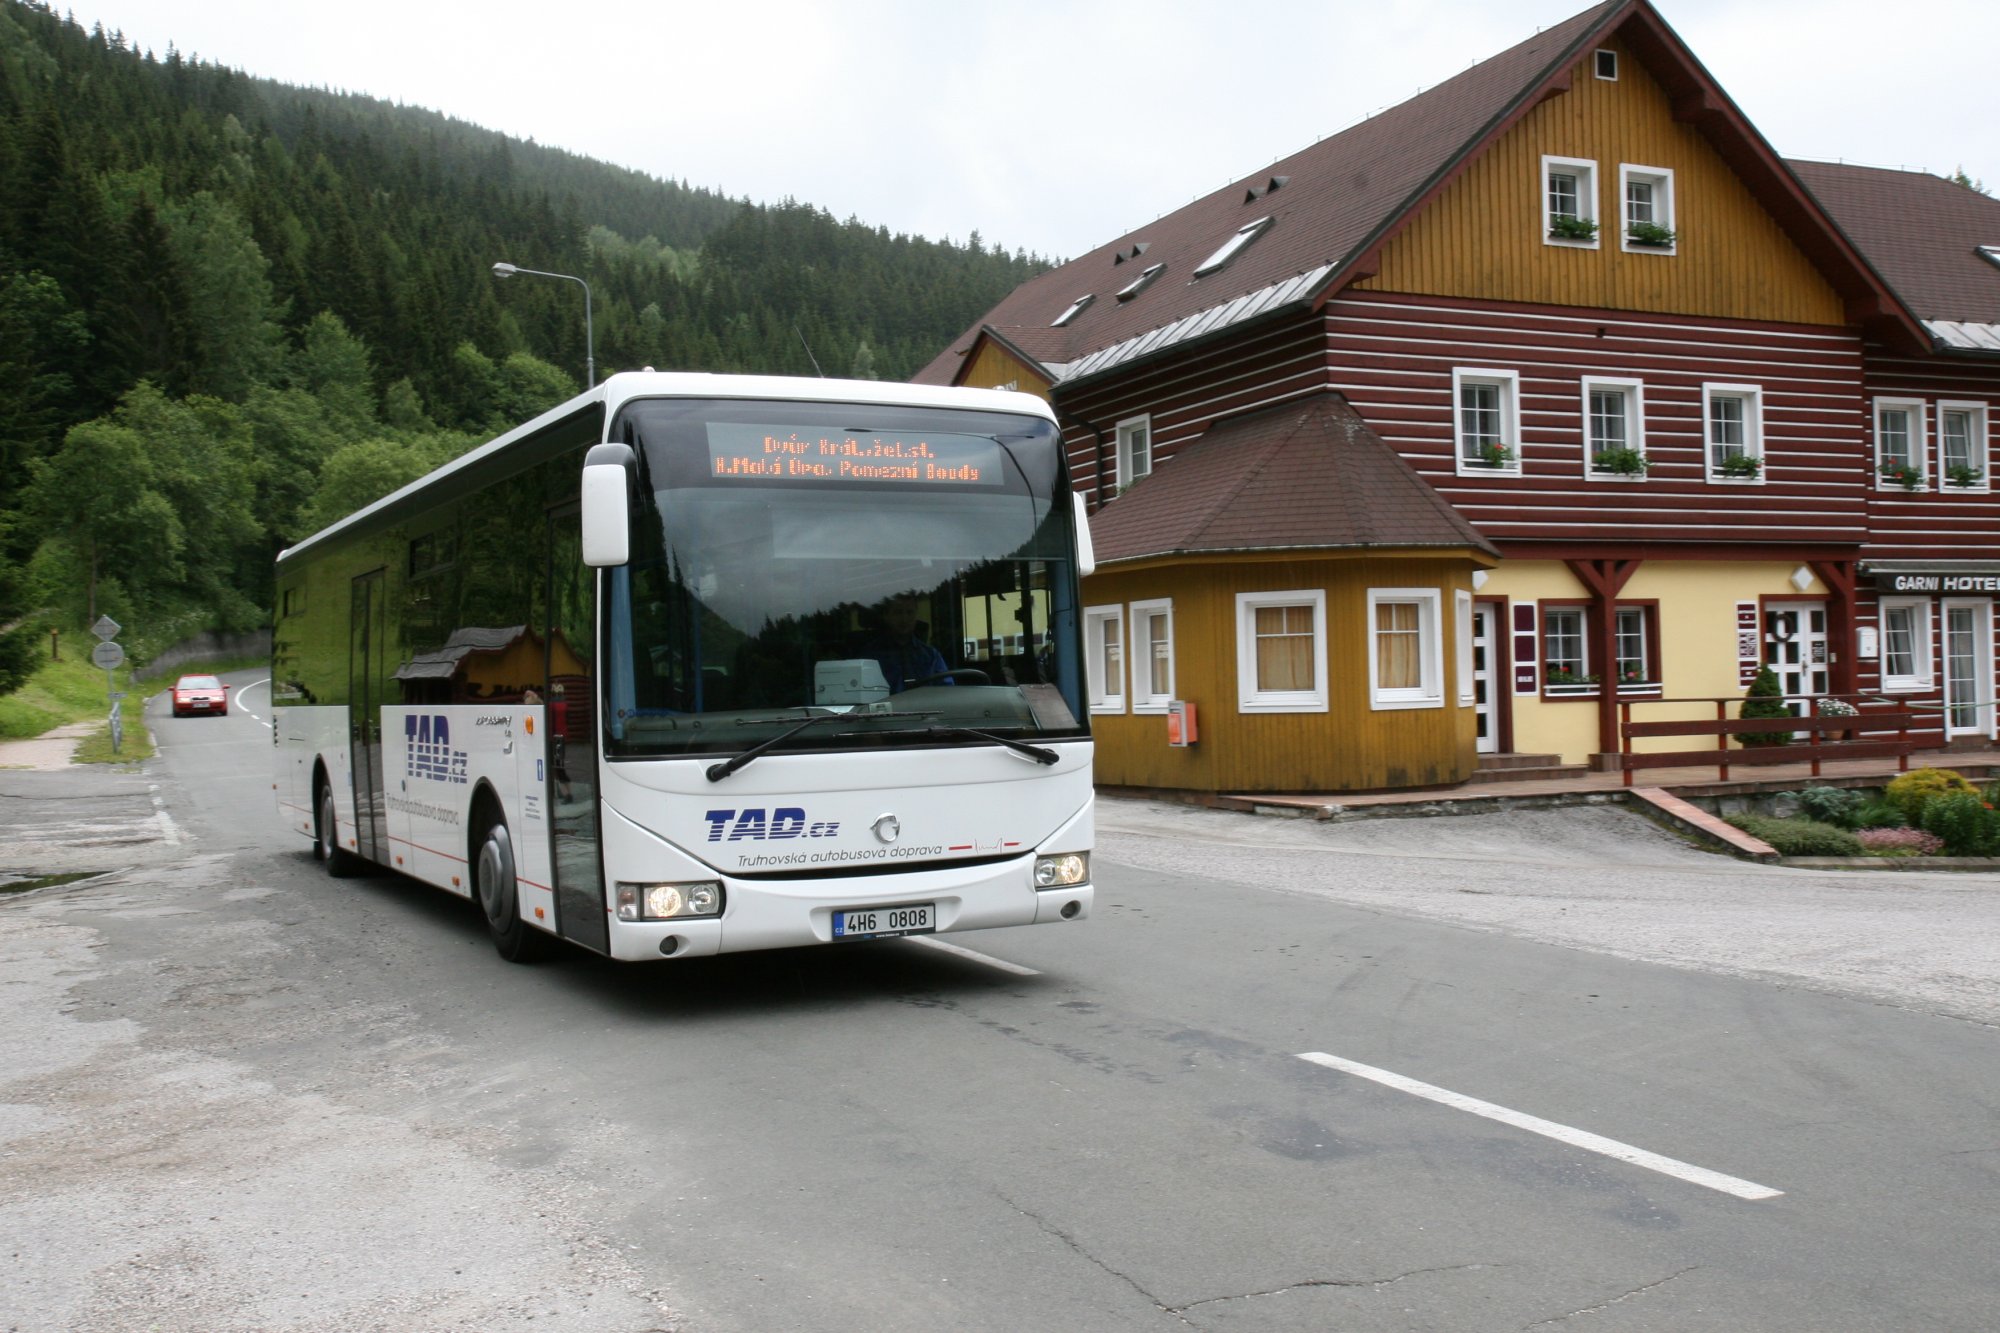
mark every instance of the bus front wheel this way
{"type": "Point", "coordinates": [499, 897]}
{"type": "Point", "coordinates": [339, 863]}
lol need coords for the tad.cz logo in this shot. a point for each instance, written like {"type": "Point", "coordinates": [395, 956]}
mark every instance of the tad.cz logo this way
{"type": "Point", "coordinates": [430, 752]}
{"type": "Point", "coordinates": [752, 825]}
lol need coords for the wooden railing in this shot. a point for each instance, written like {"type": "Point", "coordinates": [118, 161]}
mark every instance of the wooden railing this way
{"type": "Point", "coordinates": [1880, 729]}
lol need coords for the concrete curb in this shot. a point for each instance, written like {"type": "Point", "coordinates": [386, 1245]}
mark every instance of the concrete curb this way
{"type": "Point", "coordinates": [1974, 864]}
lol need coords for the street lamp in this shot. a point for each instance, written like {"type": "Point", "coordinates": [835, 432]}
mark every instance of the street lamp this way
{"type": "Point", "coordinates": [505, 270]}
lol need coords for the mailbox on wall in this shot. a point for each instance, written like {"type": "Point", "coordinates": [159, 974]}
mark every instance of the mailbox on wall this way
{"type": "Point", "coordinates": [1181, 729]}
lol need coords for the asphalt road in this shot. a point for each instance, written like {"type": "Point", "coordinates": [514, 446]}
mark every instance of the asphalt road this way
{"type": "Point", "coordinates": [237, 1095]}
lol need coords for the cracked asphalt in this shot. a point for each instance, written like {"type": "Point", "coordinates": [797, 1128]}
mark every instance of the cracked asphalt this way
{"type": "Point", "coordinates": [235, 1095]}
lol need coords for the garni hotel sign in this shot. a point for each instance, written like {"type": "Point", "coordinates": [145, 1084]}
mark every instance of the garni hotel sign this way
{"type": "Point", "coordinates": [1937, 581]}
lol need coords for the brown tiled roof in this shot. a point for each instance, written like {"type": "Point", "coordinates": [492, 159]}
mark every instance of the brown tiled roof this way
{"type": "Point", "coordinates": [1342, 196]}
{"type": "Point", "coordinates": [1302, 476]}
{"type": "Point", "coordinates": [1920, 231]}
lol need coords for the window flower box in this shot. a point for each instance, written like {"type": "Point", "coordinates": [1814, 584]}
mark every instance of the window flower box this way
{"type": "Point", "coordinates": [1898, 472]}
{"type": "Point", "coordinates": [1960, 475]}
{"type": "Point", "coordinates": [1565, 227]}
{"type": "Point", "coordinates": [1741, 467]}
{"type": "Point", "coordinates": [1493, 456]}
{"type": "Point", "coordinates": [1650, 234]}
{"type": "Point", "coordinates": [1620, 462]}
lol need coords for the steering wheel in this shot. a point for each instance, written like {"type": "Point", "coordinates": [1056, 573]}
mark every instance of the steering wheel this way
{"type": "Point", "coordinates": [984, 679]}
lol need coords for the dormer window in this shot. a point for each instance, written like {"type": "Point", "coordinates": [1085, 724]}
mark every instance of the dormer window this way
{"type": "Point", "coordinates": [1142, 282]}
{"type": "Point", "coordinates": [1076, 308]}
{"type": "Point", "coordinates": [1233, 247]}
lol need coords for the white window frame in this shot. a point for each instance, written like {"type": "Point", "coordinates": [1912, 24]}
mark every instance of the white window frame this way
{"type": "Point", "coordinates": [1920, 644]}
{"type": "Point", "coordinates": [1429, 692]}
{"type": "Point", "coordinates": [1581, 665]}
{"type": "Point", "coordinates": [1662, 181]}
{"type": "Point", "coordinates": [1128, 469]}
{"type": "Point", "coordinates": [1232, 247]}
{"type": "Point", "coordinates": [1462, 618]}
{"type": "Point", "coordinates": [1105, 696]}
{"type": "Point", "coordinates": [1250, 699]}
{"type": "Point", "coordinates": [1508, 382]}
{"type": "Point", "coordinates": [1916, 435]}
{"type": "Point", "coordinates": [1597, 63]}
{"type": "Point", "coordinates": [1980, 443]}
{"type": "Point", "coordinates": [1139, 656]}
{"type": "Point", "coordinates": [1753, 431]}
{"type": "Point", "coordinates": [1585, 171]}
{"type": "Point", "coordinates": [1635, 423]}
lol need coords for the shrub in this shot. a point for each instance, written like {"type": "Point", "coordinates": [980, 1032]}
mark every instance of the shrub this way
{"type": "Point", "coordinates": [1765, 699]}
{"type": "Point", "coordinates": [1900, 842]}
{"type": "Point", "coordinates": [1832, 805]}
{"type": "Point", "coordinates": [1966, 824]}
{"type": "Point", "coordinates": [1877, 815]}
{"type": "Point", "coordinates": [1799, 837]}
{"type": "Point", "coordinates": [1916, 788]}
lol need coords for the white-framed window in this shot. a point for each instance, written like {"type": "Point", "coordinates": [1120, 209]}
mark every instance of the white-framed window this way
{"type": "Point", "coordinates": [1104, 657]}
{"type": "Point", "coordinates": [1565, 645]}
{"type": "Point", "coordinates": [1629, 635]}
{"type": "Point", "coordinates": [1733, 424]}
{"type": "Point", "coordinates": [1405, 648]}
{"type": "Point", "coordinates": [1605, 66]}
{"type": "Point", "coordinates": [1569, 202]}
{"type": "Point", "coordinates": [1486, 420]}
{"type": "Point", "coordinates": [1281, 651]}
{"type": "Point", "coordinates": [1906, 643]}
{"type": "Point", "coordinates": [1152, 656]}
{"type": "Point", "coordinates": [1614, 429]}
{"type": "Point", "coordinates": [1135, 449]}
{"type": "Point", "coordinates": [1900, 431]}
{"type": "Point", "coordinates": [1646, 224]}
{"type": "Point", "coordinates": [1462, 621]}
{"type": "Point", "coordinates": [1964, 452]}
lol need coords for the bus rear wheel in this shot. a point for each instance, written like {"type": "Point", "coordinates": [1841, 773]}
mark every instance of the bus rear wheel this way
{"type": "Point", "coordinates": [338, 863]}
{"type": "Point", "coordinates": [496, 888]}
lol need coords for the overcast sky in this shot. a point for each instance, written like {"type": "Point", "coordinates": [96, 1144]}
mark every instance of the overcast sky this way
{"type": "Point", "coordinates": [1051, 125]}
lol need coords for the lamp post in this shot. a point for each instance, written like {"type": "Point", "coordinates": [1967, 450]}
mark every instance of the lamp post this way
{"type": "Point", "coordinates": [505, 270]}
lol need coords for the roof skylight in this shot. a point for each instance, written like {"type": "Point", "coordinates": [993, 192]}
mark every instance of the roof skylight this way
{"type": "Point", "coordinates": [1989, 253]}
{"type": "Point", "coordinates": [1140, 283]}
{"type": "Point", "coordinates": [1234, 246]}
{"type": "Point", "coordinates": [1076, 308]}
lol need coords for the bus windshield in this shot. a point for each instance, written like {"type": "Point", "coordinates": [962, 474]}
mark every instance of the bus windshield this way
{"type": "Point", "coordinates": [907, 570]}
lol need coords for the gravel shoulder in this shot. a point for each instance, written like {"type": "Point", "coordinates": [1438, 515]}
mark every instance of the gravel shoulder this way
{"type": "Point", "coordinates": [1607, 880]}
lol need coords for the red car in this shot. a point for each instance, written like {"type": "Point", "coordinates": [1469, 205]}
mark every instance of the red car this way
{"type": "Point", "coordinates": [195, 696]}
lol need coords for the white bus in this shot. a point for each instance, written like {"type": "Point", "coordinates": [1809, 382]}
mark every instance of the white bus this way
{"type": "Point", "coordinates": [679, 668]}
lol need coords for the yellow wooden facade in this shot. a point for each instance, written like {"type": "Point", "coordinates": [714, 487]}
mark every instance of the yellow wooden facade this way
{"type": "Point", "coordinates": [1483, 236]}
{"type": "Point", "coordinates": [994, 367]}
{"type": "Point", "coordinates": [1351, 746]}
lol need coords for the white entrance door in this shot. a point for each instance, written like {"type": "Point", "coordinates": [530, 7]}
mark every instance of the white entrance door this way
{"type": "Point", "coordinates": [1968, 669]}
{"type": "Point", "coordinates": [1795, 649]}
{"type": "Point", "coordinates": [1485, 710]}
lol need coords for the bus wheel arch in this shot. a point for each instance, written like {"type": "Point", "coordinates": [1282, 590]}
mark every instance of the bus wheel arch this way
{"type": "Point", "coordinates": [338, 862]}
{"type": "Point", "coordinates": [495, 885]}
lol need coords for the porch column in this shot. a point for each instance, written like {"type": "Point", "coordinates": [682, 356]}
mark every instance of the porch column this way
{"type": "Point", "coordinates": [1605, 579]}
{"type": "Point", "coordinates": [1839, 576]}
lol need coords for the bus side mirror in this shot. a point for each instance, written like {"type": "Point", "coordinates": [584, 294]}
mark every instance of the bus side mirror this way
{"type": "Point", "coordinates": [1086, 551]}
{"type": "Point", "coordinates": [607, 511]}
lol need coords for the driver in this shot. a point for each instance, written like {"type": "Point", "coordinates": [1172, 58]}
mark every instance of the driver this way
{"type": "Point", "coordinates": [905, 658]}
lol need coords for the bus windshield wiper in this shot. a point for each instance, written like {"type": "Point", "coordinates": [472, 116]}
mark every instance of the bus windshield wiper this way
{"type": "Point", "coordinates": [718, 771]}
{"type": "Point", "coordinates": [1037, 753]}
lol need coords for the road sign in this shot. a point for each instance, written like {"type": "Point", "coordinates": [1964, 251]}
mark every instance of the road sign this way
{"type": "Point", "coordinates": [106, 628]}
{"type": "Point", "coordinates": [108, 655]}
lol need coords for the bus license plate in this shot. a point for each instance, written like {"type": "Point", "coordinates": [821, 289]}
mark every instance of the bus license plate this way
{"type": "Point", "coordinates": [872, 923]}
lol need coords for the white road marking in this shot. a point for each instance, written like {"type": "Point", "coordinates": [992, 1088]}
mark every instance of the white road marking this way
{"type": "Point", "coordinates": [168, 829]}
{"type": "Point", "coordinates": [931, 942]}
{"type": "Point", "coordinates": [242, 690]}
{"type": "Point", "coordinates": [1624, 1152]}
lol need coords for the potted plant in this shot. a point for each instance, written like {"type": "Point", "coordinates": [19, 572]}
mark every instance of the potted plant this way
{"type": "Point", "coordinates": [1492, 455]}
{"type": "Point", "coordinates": [1742, 466]}
{"type": "Point", "coordinates": [1632, 675]}
{"type": "Point", "coordinates": [1570, 228]}
{"type": "Point", "coordinates": [1905, 474]}
{"type": "Point", "coordinates": [1836, 708]}
{"type": "Point", "coordinates": [1650, 233]}
{"type": "Point", "coordinates": [1620, 462]}
{"type": "Point", "coordinates": [1766, 698]}
{"type": "Point", "coordinates": [1562, 677]}
{"type": "Point", "coordinates": [1963, 474]}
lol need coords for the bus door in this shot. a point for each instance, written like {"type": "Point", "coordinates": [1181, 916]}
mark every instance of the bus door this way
{"type": "Point", "coordinates": [364, 714]}
{"type": "Point", "coordinates": [572, 728]}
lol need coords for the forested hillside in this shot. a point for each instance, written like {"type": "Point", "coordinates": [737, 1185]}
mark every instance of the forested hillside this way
{"type": "Point", "coordinates": [230, 309]}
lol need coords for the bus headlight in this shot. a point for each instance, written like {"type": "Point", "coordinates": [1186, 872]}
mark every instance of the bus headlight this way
{"type": "Point", "coordinates": [668, 902]}
{"type": "Point", "coordinates": [1059, 872]}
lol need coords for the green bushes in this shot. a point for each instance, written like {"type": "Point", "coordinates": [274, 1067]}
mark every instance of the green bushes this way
{"type": "Point", "coordinates": [1765, 699]}
{"type": "Point", "coordinates": [1967, 824]}
{"type": "Point", "coordinates": [1799, 837]}
{"type": "Point", "coordinates": [1911, 792]}
{"type": "Point", "coordinates": [1837, 806]}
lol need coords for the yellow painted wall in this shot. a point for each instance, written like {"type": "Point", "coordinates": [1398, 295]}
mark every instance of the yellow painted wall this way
{"type": "Point", "coordinates": [994, 367]}
{"type": "Point", "coordinates": [1483, 236]}
{"type": "Point", "coordinates": [1351, 747]}
{"type": "Point", "coordinates": [1696, 650]}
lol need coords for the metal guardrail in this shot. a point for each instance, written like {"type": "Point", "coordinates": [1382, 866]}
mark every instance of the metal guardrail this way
{"type": "Point", "coordinates": [1857, 737]}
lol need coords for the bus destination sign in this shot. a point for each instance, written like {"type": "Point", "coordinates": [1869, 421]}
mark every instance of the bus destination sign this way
{"type": "Point", "coordinates": [755, 453]}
